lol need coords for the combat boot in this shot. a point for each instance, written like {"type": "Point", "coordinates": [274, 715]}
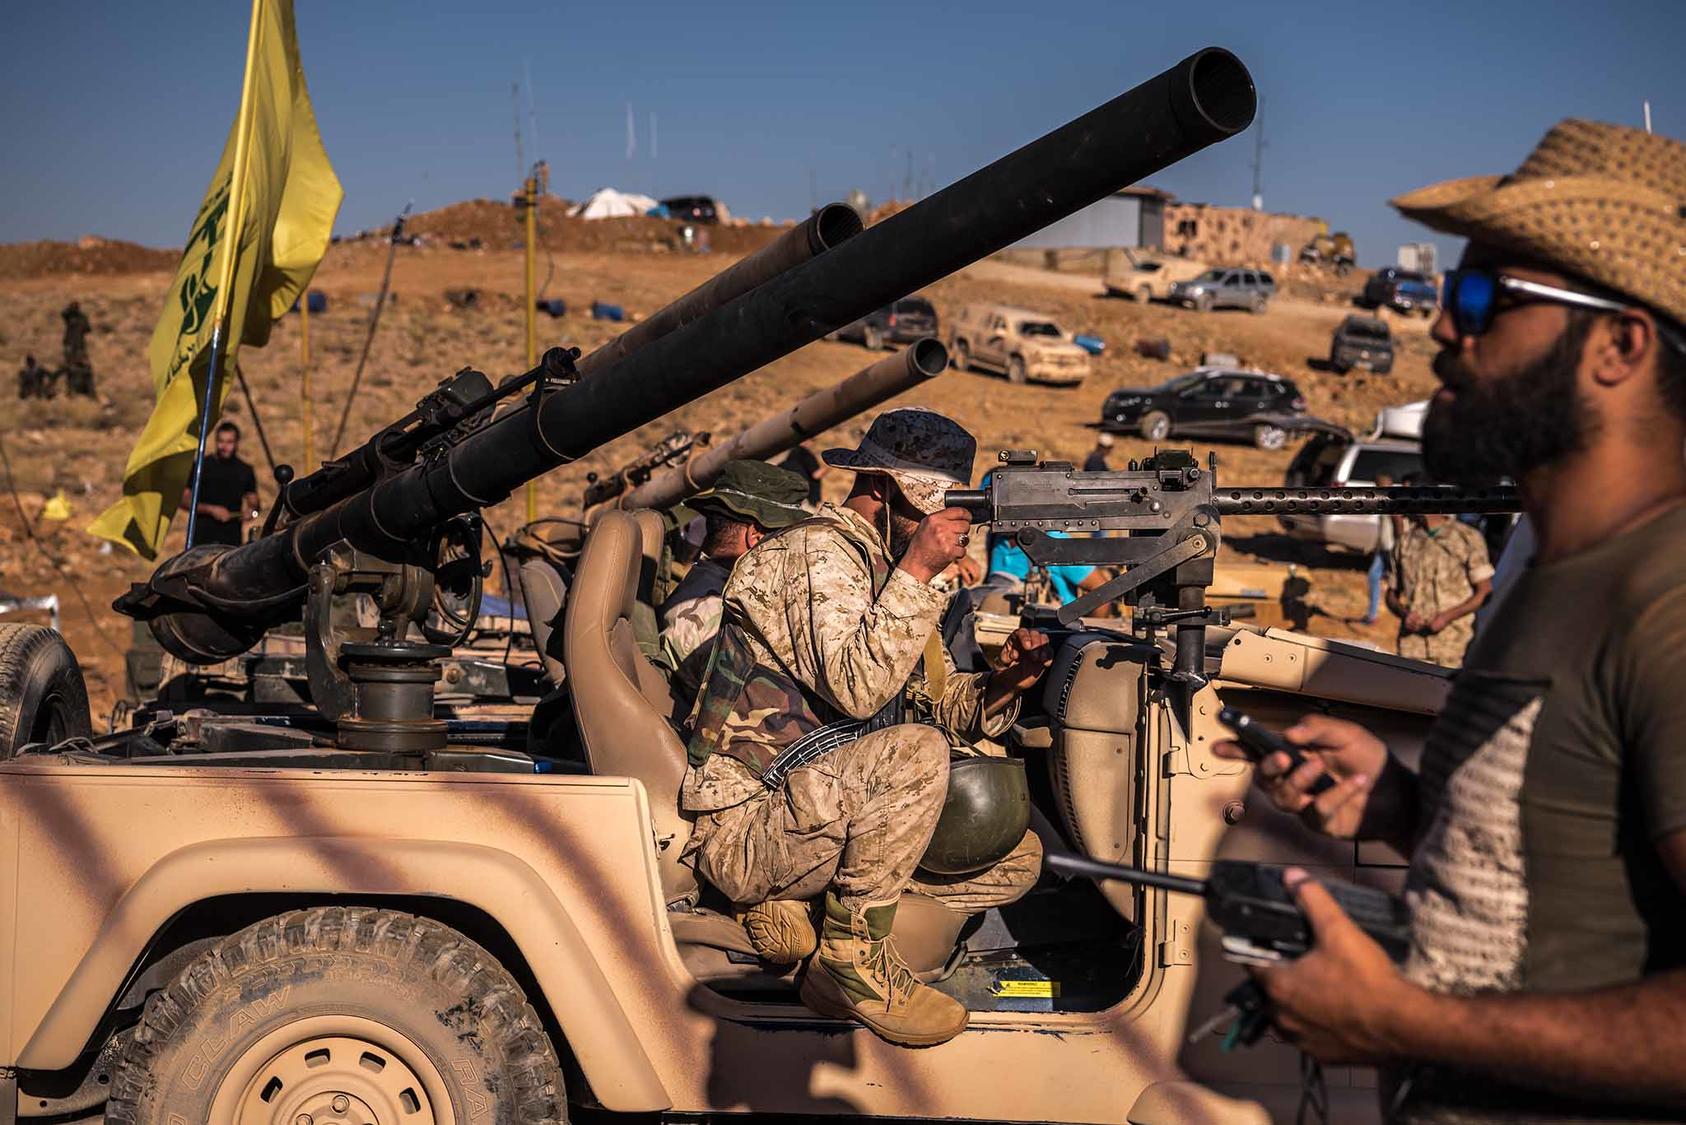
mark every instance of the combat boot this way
{"type": "Point", "coordinates": [781, 931]}
{"type": "Point", "coordinates": [857, 974]}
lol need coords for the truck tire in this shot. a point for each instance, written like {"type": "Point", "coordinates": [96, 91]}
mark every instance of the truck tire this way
{"type": "Point", "coordinates": [873, 338]}
{"type": "Point", "coordinates": [1156, 425]}
{"type": "Point", "coordinates": [42, 695]}
{"type": "Point", "coordinates": [960, 355]}
{"type": "Point", "coordinates": [1144, 295]}
{"type": "Point", "coordinates": [1016, 372]}
{"type": "Point", "coordinates": [340, 1014]}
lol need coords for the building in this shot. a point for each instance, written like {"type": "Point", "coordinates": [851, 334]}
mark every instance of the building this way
{"type": "Point", "coordinates": [1134, 217]}
{"type": "Point", "coordinates": [1234, 235]}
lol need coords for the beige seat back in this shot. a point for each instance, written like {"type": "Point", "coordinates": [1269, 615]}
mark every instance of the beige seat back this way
{"type": "Point", "coordinates": [621, 700]}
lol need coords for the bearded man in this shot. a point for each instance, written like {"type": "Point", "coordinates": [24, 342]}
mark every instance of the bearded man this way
{"type": "Point", "coordinates": [1546, 979]}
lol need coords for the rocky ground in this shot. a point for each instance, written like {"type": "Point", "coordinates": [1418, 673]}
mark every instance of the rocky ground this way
{"type": "Point", "coordinates": [80, 447]}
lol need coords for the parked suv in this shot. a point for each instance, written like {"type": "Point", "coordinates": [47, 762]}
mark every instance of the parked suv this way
{"type": "Point", "coordinates": [1210, 402]}
{"type": "Point", "coordinates": [693, 208]}
{"type": "Point", "coordinates": [900, 322]}
{"type": "Point", "coordinates": [1405, 291]}
{"type": "Point", "coordinates": [1022, 344]}
{"type": "Point", "coordinates": [1338, 461]}
{"type": "Point", "coordinates": [1226, 289]}
{"type": "Point", "coordinates": [1361, 341]}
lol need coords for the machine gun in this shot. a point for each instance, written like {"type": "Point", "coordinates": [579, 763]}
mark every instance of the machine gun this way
{"type": "Point", "coordinates": [1161, 519]}
{"type": "Point", "coordinates": [376, 520]}
{"type": "Point", "coordinates": [676, 448]}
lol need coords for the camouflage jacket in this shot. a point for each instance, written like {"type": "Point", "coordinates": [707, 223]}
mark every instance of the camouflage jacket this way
{"type": "Point", "coordinates": [820, 626]}
{"type": "Point", "coordinates": [1434, 571]}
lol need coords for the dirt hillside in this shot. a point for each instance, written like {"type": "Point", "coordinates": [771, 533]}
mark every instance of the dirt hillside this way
{"type": "Point", "coordinates": [81, 447]}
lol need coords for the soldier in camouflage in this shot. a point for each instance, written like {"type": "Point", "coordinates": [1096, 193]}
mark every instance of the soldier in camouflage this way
{"type": "Point", "coordinates": [749, 500]}
{"type": "Point", "coordinates": [821, 744]}
{"type": "Point", "coordinates": [1441, 577]}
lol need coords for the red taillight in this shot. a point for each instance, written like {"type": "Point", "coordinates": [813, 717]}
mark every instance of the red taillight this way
{"type": "Point", "coordinates": [892, 320]}
{"type": "Point", "coordinates": [1299, 404]}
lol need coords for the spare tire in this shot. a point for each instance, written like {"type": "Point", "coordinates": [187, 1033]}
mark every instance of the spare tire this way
{"type": "Point", "coordinates": [42, 695]}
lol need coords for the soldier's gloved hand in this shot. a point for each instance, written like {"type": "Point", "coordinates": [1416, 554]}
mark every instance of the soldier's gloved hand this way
{"type": "Point", "coordinates": [1024, 657]}
{"type": "Point", "coordinates": [940, 539]}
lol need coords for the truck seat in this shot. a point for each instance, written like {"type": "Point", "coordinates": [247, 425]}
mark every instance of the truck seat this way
{"type": "Point", "coordinates": [621, 700]}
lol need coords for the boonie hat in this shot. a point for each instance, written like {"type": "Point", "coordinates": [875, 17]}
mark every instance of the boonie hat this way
{"type": "Point", "coordinates": [755, 490]}
{"type": "Point", "coordinates": [924, 452]}
{"type": "Point", "coordinates": [1603, 202]}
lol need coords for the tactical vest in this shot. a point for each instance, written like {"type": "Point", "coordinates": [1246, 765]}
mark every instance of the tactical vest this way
{"type": "Point", "coordinates": [762, 715]}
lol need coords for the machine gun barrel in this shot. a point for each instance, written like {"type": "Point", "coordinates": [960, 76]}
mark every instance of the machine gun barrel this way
{"type": "Point", "coordinates": [922, 360]}
{"type": "Point", "coordinates": [826, 229]}
{"type": "Point", "coordinates": [1402, 500]}
{"type": "Point", "coordinates": [209, 604]}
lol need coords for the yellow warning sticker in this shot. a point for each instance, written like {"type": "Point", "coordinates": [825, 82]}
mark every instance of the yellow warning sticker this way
{"type": "Point", "coordinates": [1028, 989]}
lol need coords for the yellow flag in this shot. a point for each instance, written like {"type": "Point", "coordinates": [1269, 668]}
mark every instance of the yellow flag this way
{"type": "Point", "coordinates": [258, 237]}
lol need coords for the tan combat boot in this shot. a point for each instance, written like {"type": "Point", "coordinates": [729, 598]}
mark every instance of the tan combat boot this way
{"type": "Point", "coordinates": [857, 974]}
{"type": "Point", "coordinates": [781, 931]}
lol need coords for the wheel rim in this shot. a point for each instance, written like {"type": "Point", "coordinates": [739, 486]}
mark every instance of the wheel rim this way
{"type": "Point", "coordinates": [1271, 438]}
{"type": "Point", "coordinates": [1160, 430]}
{"type": "Point", "coordinates": [333, 1070]}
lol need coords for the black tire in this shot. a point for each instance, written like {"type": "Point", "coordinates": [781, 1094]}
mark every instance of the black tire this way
{"type": "Point", "coordinates": [1385, 369]}
{"type": "Point", "coordinates": [1156, 425]}
{"type": "Point", "coordinates": [960, 355]}
{"type": "Point", "coordinates": [1266, 436]}
{"type": "Point", "coordinates": [358, 991]}
{"type": "Point", "coordinates": [42, 695]}
{"type": "Point", "coordinates": [873, 338]}
{"type": "Point", "coordinates": [1016, 372]}
{"type": "Point", "coordinates": [1203, 303]}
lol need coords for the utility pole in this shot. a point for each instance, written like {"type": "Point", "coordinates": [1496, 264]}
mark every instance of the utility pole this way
{"type": "Point", "coordinates": [537, 181]}
{"type": "Point", "coordinates": [305, 404]}
{"type": "Point", "coordinates": [1258, 159]}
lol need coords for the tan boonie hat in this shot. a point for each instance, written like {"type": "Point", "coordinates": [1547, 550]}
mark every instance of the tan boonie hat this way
{"type": "Point", "coordinates": [1603, 202]}
{"type": "Point", "coordinates": [925, 453]}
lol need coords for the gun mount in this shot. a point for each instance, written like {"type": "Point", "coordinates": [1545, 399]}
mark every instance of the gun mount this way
{"type": "Point", "coordinates": [1161, 520]}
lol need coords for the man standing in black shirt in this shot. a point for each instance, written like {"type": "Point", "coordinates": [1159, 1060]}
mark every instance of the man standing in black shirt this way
{"type": "Point", "coordinates": [228, 492]}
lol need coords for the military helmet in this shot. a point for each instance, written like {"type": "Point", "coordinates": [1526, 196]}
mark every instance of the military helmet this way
{"type": "Point", "coordinates": [985, 815]}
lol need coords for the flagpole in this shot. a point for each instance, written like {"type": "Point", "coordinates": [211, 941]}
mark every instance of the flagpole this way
{"type": "Point", "coordinates": [236, 221]}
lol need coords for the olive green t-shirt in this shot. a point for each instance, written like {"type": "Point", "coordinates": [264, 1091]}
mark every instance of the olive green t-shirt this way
{"type": "Point", "coordinates": [1557, 764]}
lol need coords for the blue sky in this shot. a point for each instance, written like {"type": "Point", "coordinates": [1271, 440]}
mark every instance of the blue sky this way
{"type": "Point", "coordinates": [115, 112]}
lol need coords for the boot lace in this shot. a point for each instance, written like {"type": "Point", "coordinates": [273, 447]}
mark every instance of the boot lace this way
{"type": "Point", "coordinates": [887, 965]}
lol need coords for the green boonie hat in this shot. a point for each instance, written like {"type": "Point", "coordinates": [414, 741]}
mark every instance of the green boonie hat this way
{"type": "Point", "coordinates": [755, 490]}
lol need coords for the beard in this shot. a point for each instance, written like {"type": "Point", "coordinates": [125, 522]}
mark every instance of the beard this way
{"type": "Point", "coordinates": [901, 533]}
{"type": "Point", "coordinates": [1510, 425]}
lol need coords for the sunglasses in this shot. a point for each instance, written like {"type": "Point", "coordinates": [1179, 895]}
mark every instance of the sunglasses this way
{"type": "Point", "coordinates": [1474, 296]}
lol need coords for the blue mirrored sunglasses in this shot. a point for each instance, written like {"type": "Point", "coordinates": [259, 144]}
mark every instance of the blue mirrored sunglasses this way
{"type": "Point", "coordinates": [1472, 297]}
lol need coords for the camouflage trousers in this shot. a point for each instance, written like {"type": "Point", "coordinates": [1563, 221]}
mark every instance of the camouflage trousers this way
{"type": "Point", "coordinates": [855, 822]}
{"type": "Point", "coordinates": [1445, 648]}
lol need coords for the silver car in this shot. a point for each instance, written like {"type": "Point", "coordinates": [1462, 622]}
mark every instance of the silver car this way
{"type": "Point", "coordinates": [1337, 461]}
{"type": "Point", "coordinates": [1226, 288]}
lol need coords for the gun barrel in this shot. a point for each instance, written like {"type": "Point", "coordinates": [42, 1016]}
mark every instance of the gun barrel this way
{"type": "Point", "coordinates": [1405, 500]}
{"type": "Point", "coordinates": [922, 360]}
{"type": "Point", "coordinates": [1071, 864]}
{"type": "Point", "coordinates": [212, 596]}
{"type": "Point", "coordinates": [830, 226]}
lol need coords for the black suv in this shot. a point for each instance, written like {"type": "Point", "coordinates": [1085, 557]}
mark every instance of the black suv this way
{"type": "Point", "coordinates": [1361, 341]}
{"type": "Point", "coordinates": [1211, 402]}
{"type": "Point", "coordinates": [693, 209]}
{"type": "Point", "coordinates": [900, 322]}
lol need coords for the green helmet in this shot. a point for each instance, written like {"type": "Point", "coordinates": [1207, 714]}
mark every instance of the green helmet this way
{"type": "Point", "coordinates": [985, 815]}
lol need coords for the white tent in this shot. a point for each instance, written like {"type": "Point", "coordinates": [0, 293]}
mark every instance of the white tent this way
{"type": "Point", "coordinates": [607, 203]}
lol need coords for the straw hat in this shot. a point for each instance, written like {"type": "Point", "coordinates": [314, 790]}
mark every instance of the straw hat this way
{"type": "Point", "coordinates": [1603, 202]}
{"type": "Point", "coordinates": [925, 453]}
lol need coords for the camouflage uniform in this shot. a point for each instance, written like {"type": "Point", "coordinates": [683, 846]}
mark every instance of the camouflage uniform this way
{"type": "Point", "coordinates": [822, 632]}
{"type": "Point", "coordinates": [689, 621]}
{"type": "Point", "coordinates": [1437, 568]}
